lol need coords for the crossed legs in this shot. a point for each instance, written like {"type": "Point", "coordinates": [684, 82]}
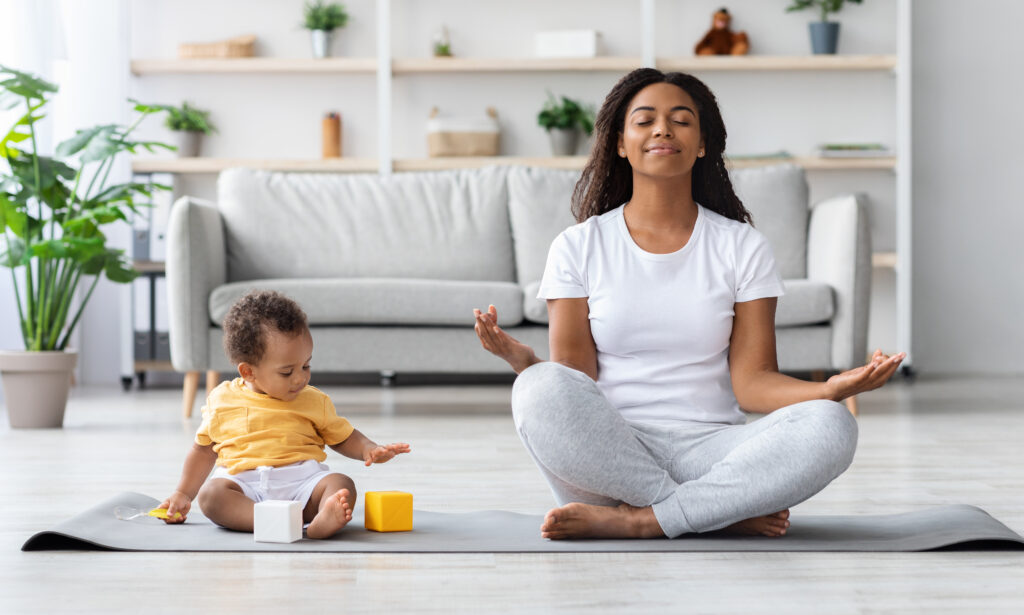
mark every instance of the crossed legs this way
{"type": "Point", "coordinates": [613, 479]}
{"type": "Point", "coordinates": [328, 510]}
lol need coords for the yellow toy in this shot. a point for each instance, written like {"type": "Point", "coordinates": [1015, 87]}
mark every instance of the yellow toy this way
{"type": "Point", "coordinates": [388, 511]}
{"type": "Point", "coordinates": [127, 513]}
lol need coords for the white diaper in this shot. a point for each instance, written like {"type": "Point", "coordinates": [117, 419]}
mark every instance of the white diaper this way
{"type": "Point", "coordinates": [291, 482]}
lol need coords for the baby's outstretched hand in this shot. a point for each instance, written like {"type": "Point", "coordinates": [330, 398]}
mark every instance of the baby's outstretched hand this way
{"type": "Point", "coordinates": [384, 452]}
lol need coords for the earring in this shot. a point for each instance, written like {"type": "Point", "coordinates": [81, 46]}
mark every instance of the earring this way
{"type": "Point", "coordinates": [622, 153]}
{"type": "Point", "coordinates": [700, 154]}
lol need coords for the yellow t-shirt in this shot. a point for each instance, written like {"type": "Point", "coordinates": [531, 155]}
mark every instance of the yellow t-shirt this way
{"type": "Point", "coordinates": [250, 429]}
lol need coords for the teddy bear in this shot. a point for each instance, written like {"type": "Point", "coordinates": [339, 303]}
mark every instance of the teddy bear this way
{"type": "Point", "coordinates": [720, 40]}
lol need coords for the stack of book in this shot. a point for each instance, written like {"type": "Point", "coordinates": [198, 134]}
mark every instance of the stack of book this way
{"type": "Point", "coordinates": [853, 150]}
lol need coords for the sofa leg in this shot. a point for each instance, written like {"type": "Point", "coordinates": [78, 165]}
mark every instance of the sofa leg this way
{"type": "Point", "coordinates": [188, 393]}
{"type": "Point", "coordinates": [851, 405]}
{"type": "Point", "coordinates": [212, 380]}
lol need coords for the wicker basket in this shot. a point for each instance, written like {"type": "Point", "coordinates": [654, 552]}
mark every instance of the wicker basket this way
{"type": "Point", "coordinates": [238, 47]}
{"type": "Point", "coordinates": [463, 136]}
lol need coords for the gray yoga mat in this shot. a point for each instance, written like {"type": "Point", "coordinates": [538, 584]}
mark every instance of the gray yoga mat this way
{"type": "Point", "coordinates": [495, 531]}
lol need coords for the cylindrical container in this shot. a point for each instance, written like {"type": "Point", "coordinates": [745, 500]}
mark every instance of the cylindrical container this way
{"type": "Point", "coordinates": [331, 129]}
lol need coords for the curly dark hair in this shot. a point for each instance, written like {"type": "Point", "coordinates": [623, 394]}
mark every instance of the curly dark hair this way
{"type": "Point", "coordinates": [248, 320]}
{"type": "Point", "coordinates": [607, 180]}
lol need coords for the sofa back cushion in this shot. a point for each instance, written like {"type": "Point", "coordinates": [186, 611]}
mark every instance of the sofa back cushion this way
{"type": "Point", "coordinates": [450, 225]}
{"type": "Point", "coordinates": [777, 198]}
{"type": "Point", "coordinates": [538, 208]}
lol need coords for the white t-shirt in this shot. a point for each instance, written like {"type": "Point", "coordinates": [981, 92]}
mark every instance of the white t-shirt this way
{"type": "Point", "coordinates": [662, 322]}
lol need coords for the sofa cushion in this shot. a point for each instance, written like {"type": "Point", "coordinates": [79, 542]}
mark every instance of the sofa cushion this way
{"type": "Point", "coordinates": [538, 209]}
{"type": "Point", "coordinates": [450, 225]}
{"type": "Point", "coordinates": [777, 197]}
{"type": "Point", "coordinates": [383, 301]}
{"type": "Point", "coordinates": [805, 303]}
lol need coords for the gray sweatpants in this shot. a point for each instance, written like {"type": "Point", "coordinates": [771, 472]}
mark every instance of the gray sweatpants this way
{"type": "Point", "coordinates": [698, 477]}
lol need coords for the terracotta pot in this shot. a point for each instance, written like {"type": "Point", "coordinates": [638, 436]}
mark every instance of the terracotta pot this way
{"type": "Point", "coordinates": [36, 386]}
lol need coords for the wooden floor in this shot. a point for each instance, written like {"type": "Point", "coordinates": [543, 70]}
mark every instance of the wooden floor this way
{"type": "Point", "coordinates": [930, 443]}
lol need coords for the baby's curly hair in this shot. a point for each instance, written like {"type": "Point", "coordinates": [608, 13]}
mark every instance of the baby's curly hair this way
{"type": "Point", "coordinates": [247, 321]}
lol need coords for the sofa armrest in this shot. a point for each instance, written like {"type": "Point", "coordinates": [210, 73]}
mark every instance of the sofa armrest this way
{"type": "Point", "coordinates": [839, 254]}
{"type": "Point", "coordinates": [196, 264]}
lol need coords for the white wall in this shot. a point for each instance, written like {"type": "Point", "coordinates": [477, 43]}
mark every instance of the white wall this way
{"type": "Point", "coordinates": [969, 201]}
{"type": "Point", "coordinates": [965, 290]}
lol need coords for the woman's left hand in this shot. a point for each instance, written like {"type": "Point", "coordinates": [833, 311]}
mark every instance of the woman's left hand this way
{"type": "Point", "coordinates": [866, 377]}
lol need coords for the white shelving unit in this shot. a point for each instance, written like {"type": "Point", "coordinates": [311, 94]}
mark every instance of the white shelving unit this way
{"type": "Point", "coordinates": [388, 68]}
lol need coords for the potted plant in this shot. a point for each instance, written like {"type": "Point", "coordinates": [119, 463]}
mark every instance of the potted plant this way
{"type": "Point", "coordinates": [321, 19]}
{"type": "Point", "coordinates": [189, 125]}
{"type": "Point", "coordinates": [564, 119]}
{"type": "Point", "coordinates": [824, 33]}
{"type": "Point", "coordinates": [52, 210]}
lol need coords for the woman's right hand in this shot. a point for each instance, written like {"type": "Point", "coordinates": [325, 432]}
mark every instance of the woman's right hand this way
{"type": "Point", "coordinates": [494, 340]}
{"type": "Point", "coordinates": [177, 503]}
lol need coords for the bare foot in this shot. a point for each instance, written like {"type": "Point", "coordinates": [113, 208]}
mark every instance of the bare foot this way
{"type": "Point", "coordinates": [335, 512]}
{"type": "Point", "coordinates": [773, 525]}
{"type": "Point", "coordinates": [578, 520]}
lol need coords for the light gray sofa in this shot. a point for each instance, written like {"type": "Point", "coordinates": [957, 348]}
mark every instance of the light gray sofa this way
{"type": "Point", "coordinates": [389, 269]}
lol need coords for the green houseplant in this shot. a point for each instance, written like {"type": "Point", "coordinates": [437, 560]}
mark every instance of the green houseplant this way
{"type": "Point", "coordinates": [564, 119]}
{"type": "Point", "coordinates": [189, 124]}
{"type": "Point", "coordinates": [321, 19]}
{"type": "Point", "coordinates": [52, 210]}
{"type": "Point", "coordinates": [824, 33]}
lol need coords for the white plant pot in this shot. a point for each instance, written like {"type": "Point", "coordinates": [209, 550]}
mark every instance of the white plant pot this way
{"type": "Point", "coordinates": [321, 40]}
{"type": "Point", "coordinates": [564, 141]}
{"type": "Point", "coordinates": [36, 386]}
{"type": "Point", "coordinates": [189, 143]}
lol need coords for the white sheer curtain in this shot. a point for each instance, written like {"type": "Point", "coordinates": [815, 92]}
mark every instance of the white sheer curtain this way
{"type": "Point", "coordinates": [83, 47]}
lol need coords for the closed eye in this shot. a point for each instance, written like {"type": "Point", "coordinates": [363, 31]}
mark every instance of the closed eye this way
{"type": "Point", "coordinates": [285, 374]}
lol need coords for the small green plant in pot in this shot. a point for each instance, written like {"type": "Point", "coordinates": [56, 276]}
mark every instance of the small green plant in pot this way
{"type": "Point", "coordinates": [565, 119]}
{"type": "Point", "coordinates": [189, 125]}
{"type": "Point", "coordinates": [824, 33]}
{"type": "Point", "coordinates": [52, 212]}
{"type": "Point", "coordinates": [322, 19]}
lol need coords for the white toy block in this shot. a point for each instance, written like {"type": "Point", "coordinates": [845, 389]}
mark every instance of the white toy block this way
{"type": "Point", "coordinates": [277, 521]}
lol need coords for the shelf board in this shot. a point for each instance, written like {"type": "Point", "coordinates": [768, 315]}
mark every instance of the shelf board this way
{"type": "Point", "coordinates": [152, 366]}
{"type": "Point", "coordinates": [778, 63]}
{"type": "Point", "coordinates": [401, 66]}
{"type": "Point", "coordinates": [254, 65]}
{"type": "Point", "coordinates": [472, 162]}
{"type": "Point", "coordinates": [150, 266]}
{"type": "Point", "coordinates": [216, 165]}
{"type": "Point", "coordinates": [816, 163]}
{"type": "Point", "coordinates": [369, 165]}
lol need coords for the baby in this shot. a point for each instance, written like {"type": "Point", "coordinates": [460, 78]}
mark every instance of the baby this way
{"type": "Point", "coordinates": [266, 430]}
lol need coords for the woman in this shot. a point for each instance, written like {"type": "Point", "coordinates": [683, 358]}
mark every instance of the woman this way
{"type": "Point", "coordinates": [661, 304]}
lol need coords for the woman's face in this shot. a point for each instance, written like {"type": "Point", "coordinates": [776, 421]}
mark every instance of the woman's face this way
{"type": "Point", "coordinates": [661, 136]}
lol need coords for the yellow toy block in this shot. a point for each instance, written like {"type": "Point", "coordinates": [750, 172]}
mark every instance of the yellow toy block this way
{"type": "Point", "coordinates": [388, 511]}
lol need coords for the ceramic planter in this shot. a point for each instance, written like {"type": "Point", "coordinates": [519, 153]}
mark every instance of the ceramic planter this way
{"type": "Point", "coordinates": [564, 141]}
{"type": "Point", "coordinates": [824, 36]}
{"type": "Point", "coordinates": [36, 386]}
{"type": "Point", "coordinates": [188, 142]}
{"type": "Point", "coordinates": [321, 40]}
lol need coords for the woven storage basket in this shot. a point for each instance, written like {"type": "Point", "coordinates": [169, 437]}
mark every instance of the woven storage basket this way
{"type": "Point", "coordinates": [238, 47]}
{"type": "Point", "coordinates": [463, 136]}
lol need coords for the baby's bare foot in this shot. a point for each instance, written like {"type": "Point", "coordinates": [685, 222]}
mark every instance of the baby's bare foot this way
{"type": "Point", "coordinates": [773, 525]}
{"type": "Point", "coordinates": [335, 512]}
{"type": "Point", "coordinates": [578, 520]}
